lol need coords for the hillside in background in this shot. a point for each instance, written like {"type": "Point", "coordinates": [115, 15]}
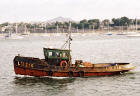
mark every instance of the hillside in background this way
{"type": "Point", "coordinates": [60, 19]}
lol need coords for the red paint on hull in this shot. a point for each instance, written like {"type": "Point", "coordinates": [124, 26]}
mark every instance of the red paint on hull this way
{"type": "Point", "coordinates": [33, 72]}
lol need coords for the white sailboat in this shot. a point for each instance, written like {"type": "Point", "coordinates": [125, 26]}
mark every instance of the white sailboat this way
{"type": "Point", "coordinates": [134, 34]}
{"type": "Point", "coordinates": [26, 31]}
{"type": "Point", "coordinates": [45, 34]}
{"type": "Point", "coordinates": [109, 32]}
{"type": "Point", "coordinates": [11, 35]}
{"type": "Point", "coordinates": [2, 34]}
{"type": "Point", "coordinates": [57, 31]}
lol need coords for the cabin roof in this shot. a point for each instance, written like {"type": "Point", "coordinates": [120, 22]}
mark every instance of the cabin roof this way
{"type": "Point", "coordinates": [56, 49]}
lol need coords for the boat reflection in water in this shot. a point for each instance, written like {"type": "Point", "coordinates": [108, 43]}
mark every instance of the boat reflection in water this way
{"type": "Point", "coordinates": [32, 81]}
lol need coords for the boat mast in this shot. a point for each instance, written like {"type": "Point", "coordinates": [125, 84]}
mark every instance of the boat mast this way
{"type": "Point", "coordinates": [69, 35]}
{"type": "Point", "coordinates": [24, 32]}
{"type": "Point", "coordinates": [69, 42]}
{"type": "Point", "coordinates": [57, 28]}
{"type": "Point", "coordinates": [136, 25]}
{"type": "Point", "coordinates": [16, 28]}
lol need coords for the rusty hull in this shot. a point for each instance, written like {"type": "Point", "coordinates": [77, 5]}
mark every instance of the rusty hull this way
{"type": "Point", "coordinates": [39, 67]}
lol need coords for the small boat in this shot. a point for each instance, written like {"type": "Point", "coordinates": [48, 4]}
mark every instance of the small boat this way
{"type": "Point", "coordinates": [58, 63]}
{"type": "Point", "coordinates": [121, 33]}
{"type": "Point", "coordinates": [27, 33]}
{"type": "Point", "coordinates": [133, 35]}
{"type": "Point", "coordinates": [13, 36]}
{"type": "Point", "coordinates": [108, 33]}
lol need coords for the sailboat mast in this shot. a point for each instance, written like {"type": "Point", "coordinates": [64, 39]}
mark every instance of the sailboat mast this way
{"type": "Point", "coordinates": [57, 28]}
{"type": "Point", "coordinates": [25, 28]}
{"type": "Point", "coordinates": [136, 24]}
{"type": "Point", "coordinates": [16, 28]}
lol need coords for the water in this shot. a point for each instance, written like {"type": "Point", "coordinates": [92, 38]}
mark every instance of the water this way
{"type": "Point", "coordinates": [93, 48]}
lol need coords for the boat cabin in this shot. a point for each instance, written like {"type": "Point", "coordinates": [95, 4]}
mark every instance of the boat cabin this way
{"type": "Point", "coordinates": [56, 56]}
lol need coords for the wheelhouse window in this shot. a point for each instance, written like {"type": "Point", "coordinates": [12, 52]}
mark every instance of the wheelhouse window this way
{"type": "Point", "coordinates": [58, 54]}
{"type": "Point", "coordinates": [50, 54]}
{"type": "Point", "coordinates": [65, 54]}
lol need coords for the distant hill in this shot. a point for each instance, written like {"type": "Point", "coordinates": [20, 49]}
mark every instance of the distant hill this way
{"type": "Point", "coordinates": [59, 19]}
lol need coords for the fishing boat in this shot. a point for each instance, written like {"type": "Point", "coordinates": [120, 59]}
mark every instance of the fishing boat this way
{"type": "Point", "coordinates": [58, 63]}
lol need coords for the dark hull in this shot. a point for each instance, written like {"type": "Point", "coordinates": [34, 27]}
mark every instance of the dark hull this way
{"type": "Point", "coordinates": [39, 73]}
{"type": "Point", "coordinates": [38, 67]}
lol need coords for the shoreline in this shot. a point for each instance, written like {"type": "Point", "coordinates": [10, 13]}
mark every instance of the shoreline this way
{"type": "Point", "coordinates": [85, 32]}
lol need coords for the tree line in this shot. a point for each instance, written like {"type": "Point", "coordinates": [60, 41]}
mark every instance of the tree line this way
{"type": "Point", "coordinates": [83, 24]}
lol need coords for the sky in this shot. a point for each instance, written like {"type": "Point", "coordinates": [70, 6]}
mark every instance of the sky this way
{"type": "Point", "coordinates": [43, 10]}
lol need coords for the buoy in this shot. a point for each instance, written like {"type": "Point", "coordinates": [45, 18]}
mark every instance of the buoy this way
{"type": "Point", "coordinates": [63, 64]}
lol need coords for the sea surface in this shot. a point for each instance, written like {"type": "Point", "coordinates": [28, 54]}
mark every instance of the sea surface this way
{"type": "Point", "coordinates": [96, 48]}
